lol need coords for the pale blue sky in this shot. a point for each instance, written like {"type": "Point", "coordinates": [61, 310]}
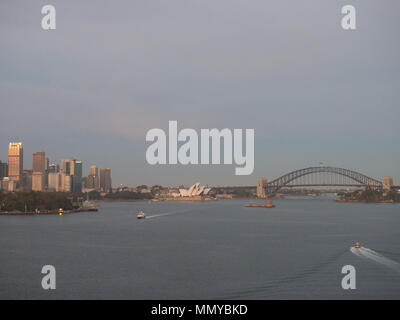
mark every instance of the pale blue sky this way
{"type": "Point", "coordinates": [114, 69]}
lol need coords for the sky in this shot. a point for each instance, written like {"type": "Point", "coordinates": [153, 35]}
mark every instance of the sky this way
{"type": "Point", "coordinates": [112, 70]}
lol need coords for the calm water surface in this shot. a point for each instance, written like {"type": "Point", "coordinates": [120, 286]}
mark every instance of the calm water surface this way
{"type": "Point", "coordinates": [212, 250]}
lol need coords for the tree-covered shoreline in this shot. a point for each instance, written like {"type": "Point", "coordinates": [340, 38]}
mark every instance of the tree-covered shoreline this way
{"type": "Point", "coordinates": [51, 201]}
{"type": "Point", "coordinates": [31, 201]}
{"type": "Point", "coordinates": [369, 195]}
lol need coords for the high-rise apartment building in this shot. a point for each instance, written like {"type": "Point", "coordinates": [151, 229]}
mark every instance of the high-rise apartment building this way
{"type": "Point", "coordinates": [105, 179]}
{"type": "Point", "coordinates": [261, 187]}
{"type": "Point", "coordinates": [15, 161]}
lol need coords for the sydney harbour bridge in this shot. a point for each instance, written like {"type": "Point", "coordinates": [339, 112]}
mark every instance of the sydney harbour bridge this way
{"type": "Point", "coordinates": [322, 176]}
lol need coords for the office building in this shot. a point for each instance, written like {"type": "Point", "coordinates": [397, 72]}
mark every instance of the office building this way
{"type": "Point", "coordinates": [39, 176]}
{"type": "Point", "coordinates": [3, 170]}
{"type": "Point", "coordinates": [72, 168]}
{"type": "Point", "coordinates": [15, 161]}
{"type": "Point", "coordinates": [39, 162]}
{"type": "Point", "coordinates": [93, 180]}
{"type": "Point", "coordinates": [27, 180]}
{"type": "Point", "coordinates": [77, 176]}
{"type": "Point", "coordinates": [94, 171]}
{"type": "Point", "coordinates": [63, 182]}
{"type": "Point", "coordinates": [7, 185]}
{"type": "Point", "coordinates": [53, 168]}
{"type": "Point", "coordinates": [38, 181]}
{"type": "Point", "coordinates": [52, 181]}
{"type": "Point", "coordinates": [105, 179]}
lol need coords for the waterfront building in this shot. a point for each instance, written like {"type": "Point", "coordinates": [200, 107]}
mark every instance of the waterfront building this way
{"type": "Point", "coordinates": [261, 187]}
{"type": "Point", "coordinates": [15, 161]}
{"type": "Point", "coordinates": [387, 183]}
{"type": "Point", "coordinates": [194, 190]}
{"type": "Point", "coordinates": [105, 179]}
{"type": "Point", "coordinates": [7, 185]}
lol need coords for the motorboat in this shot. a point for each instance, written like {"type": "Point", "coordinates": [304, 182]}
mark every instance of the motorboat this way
{"type": "Point", "coordinates": [357, 245]}
{"type": "Point", "coordinates": [141, 215]}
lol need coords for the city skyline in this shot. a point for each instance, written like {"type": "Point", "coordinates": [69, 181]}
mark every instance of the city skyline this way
{"type": "Point", "coordinates": [312, 92]}
{"type": "Point", "coordinates": [97, 178]}
{"type": "Point", "coordinates": [65, 175]}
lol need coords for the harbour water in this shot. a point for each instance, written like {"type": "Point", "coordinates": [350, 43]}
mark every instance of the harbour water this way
{"type": "Point", "coordinates": [210, 250]}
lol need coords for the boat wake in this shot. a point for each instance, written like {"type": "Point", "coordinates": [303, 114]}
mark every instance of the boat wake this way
{"type": "Point", "coordinates": [375, 256]}
{"type": "Point", "coordinates": [165, 214]}
{"type": "Point", "coordinates": [270, 287]}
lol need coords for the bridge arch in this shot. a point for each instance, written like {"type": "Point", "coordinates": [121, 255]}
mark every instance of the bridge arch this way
{"type": "Point", "coordinates": [357, 178]}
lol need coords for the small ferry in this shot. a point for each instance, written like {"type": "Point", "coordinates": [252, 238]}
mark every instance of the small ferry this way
{"type": "Point", "coordinates": [357, 245]}
{"type": "Point", "coordinates": [89, 206]}
{"type": "Point", "coordinates": [141, 215]}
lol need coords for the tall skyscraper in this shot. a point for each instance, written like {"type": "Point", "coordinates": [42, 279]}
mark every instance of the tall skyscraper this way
{"type": "Point", "coordinates": [105, 179]}
{"type": "Point", "coordinates": [15, 161]}
{"type": "Point", "coordinates": [73, 168]}
{"type": "Point", "coordinates": [261, 187]}
{"type": "Point", "coordinates": [39, 162]}
{"type": "Point", "coordinates": [77, 177]}
{"type": "Point", "coordinates": [3, 170]}
{"type": "Point", "coordinates": [39, 171]}
{"type": "Point", "coordinates": [67, 166]}
{"type": "Point", "coordinates": [94, 171]}
{"type": "Point", "coordinates": [93, 181]}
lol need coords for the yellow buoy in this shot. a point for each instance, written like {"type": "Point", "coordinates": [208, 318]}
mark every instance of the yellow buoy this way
{"type": "Point", "coordinates": [60, 211]}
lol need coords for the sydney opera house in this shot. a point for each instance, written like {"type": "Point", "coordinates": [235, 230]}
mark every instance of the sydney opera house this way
{"type": "Point", "coordinates": [194, 190]}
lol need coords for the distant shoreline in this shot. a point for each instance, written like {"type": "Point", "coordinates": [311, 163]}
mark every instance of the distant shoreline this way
{"type": "Point", "coordinates": [121, 200]}
{"type": "Point", "coordinates": [363, 201]}
{"type": "Point", "coordinates": [33, 213]}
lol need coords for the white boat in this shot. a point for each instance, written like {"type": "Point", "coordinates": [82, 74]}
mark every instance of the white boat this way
{"type": "Point", "coordinates": [141, 215]}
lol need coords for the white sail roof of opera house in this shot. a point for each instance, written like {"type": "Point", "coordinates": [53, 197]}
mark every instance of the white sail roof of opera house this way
{"type": "Point", "coordinates": [194, 190]}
